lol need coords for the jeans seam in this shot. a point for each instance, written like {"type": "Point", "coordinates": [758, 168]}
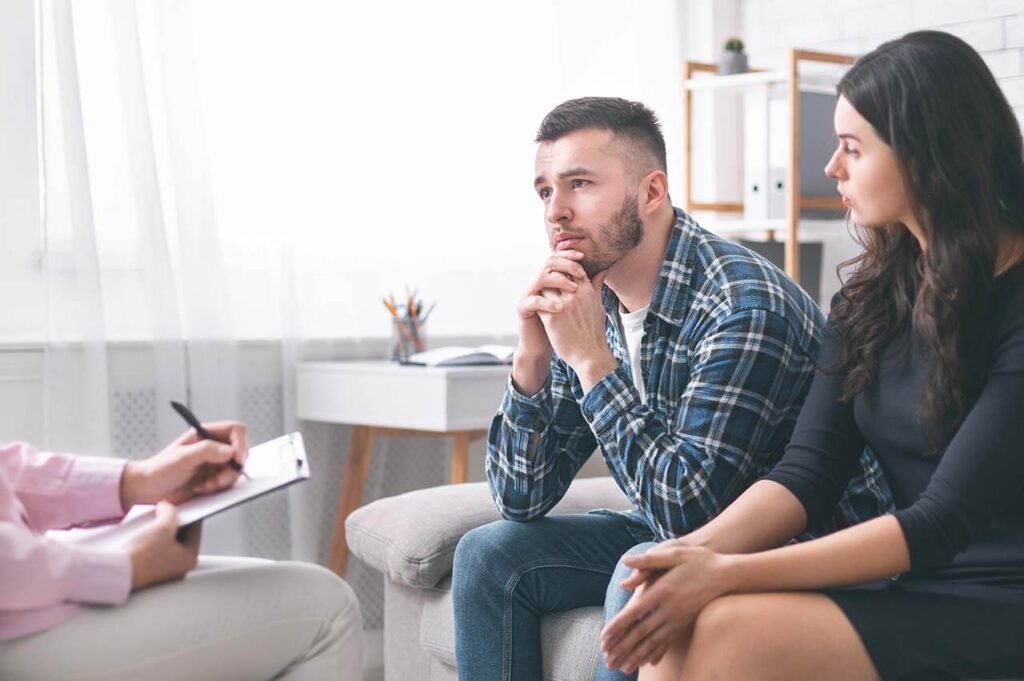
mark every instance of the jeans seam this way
{"type": "Point", "coordinates": [510, 586]}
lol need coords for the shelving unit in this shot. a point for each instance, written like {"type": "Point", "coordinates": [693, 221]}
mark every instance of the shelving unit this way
{"type": "Point", "coordinates": [795, 201]}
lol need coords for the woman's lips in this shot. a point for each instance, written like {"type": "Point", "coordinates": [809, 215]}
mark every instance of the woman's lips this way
{"type": "Point", "coordinates": [568, 243]}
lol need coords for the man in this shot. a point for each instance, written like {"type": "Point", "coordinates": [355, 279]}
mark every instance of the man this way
{"type": "Point", "coordinates": [683, 357]}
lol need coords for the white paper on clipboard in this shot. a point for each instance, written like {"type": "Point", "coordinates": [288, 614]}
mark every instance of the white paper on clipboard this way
{"type": "Point", "coordinates": [273, 465]}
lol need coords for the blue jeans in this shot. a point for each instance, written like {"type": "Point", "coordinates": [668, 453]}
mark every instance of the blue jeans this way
{"type": "Point", "coordinates": [507, 575]}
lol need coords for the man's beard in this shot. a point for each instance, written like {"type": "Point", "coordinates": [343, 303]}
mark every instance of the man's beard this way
{"type": "Point", "coordinates": [619, 235]}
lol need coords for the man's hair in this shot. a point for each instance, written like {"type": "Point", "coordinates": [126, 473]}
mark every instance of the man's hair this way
{"type": "Point", "coordinates": [631, 122]}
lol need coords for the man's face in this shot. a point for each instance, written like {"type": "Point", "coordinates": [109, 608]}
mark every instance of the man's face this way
{"type": "Point", "coordinates": [589, 199]}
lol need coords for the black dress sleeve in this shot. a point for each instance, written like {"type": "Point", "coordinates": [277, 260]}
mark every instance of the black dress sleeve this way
{"type": "Point", "coordinates": [826, 444]}
{"type": "Point", "coordinates": [981, 471]}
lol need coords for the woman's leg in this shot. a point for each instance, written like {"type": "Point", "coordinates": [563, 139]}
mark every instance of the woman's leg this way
{"type": "Point", "coordinates": [783, 636]}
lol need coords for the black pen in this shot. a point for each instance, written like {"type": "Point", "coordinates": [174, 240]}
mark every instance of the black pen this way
{"type": "Point", "coordinates": [203, 433]}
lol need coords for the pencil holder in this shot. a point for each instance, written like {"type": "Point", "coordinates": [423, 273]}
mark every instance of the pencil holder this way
{"type": "Point", "coordinates": [407, 337]}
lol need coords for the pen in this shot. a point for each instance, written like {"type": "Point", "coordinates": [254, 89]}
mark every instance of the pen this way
{"type": "Point", "coordinates": [203, 433]}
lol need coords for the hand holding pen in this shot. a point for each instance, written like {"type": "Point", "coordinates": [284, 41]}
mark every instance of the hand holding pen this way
{"type": "Point", "coordinates": [189, 466]}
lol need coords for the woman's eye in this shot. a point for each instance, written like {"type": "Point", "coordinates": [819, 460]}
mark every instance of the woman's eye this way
{"type": "Point", "coordinates": [851, 151]}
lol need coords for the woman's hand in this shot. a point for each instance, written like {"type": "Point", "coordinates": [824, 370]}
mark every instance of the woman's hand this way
{"type": "Point", "coordinates": [186, 467]}
{"type": "Point", "coordinates": [672, 583]}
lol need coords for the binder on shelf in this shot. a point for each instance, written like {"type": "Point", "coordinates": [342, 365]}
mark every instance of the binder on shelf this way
{"type": "Point", "coordinates": [778, 155]}
{"type": "Point", "coordinates": [755, 154]}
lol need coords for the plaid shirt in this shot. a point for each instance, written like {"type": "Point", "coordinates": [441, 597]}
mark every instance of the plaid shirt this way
{"type": "Point", "coordinates": [727, 358]}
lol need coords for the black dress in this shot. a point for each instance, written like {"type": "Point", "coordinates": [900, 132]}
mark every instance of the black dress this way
{"type": "Point", "coordinates": [959, 612]}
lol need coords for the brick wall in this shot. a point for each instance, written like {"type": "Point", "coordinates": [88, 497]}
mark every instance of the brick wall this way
{"type": "Point", "coordinates": [993, 27]}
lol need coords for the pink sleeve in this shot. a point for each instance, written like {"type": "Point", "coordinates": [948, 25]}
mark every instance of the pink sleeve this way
{"type": "Point", "coordinates": [36, 571]}
{"type": "Point", "coordinates": [60, 490]}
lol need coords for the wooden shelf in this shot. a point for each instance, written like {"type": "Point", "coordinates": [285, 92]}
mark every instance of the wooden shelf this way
{"type": "Point", "coordinates": [822, 203]}
{"type": "Point", "coordinates": [806, 202]}
{"type": "Point", "coordinates": [737, 81]}
{"type": "Point", "coordinates": [795, 82]}
{"type": "Point", "coordinates": [775, 228]}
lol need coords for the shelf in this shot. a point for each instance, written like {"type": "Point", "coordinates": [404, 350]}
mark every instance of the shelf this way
{"type": "Point", "coordinates": [808, 83]}
{"type": "Point", "coordinates": [732, 226]}
{"type": "Point", "coordinates": [724, 227]}
{"type": "Point", "coordinates": [806, 203]}
{"type": "Point", "coordinates": [825, 70]}
{"type": "Point", "coordinates": [736, 80]}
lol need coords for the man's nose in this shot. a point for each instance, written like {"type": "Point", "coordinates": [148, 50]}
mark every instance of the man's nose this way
{"type": "Point", "coordinates": [558, 209]}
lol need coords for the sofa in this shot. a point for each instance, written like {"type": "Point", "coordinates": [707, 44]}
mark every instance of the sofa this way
{"type": "Point", "coordinates": [411, 539]}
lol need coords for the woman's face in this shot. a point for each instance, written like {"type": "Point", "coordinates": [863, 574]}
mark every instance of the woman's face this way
{"type": "Point", "coordinates": [867, 172]}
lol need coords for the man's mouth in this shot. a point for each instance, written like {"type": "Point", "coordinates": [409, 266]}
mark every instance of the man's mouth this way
{"type": "Point", "coordinates": [567, 241]}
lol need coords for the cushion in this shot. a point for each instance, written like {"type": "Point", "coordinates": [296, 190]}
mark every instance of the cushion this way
{"type": "Point", "coordinates": [411, 537]}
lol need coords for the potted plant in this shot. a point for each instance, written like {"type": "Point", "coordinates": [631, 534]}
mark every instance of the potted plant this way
{"type": "Point", "coordinates": [733, 59]}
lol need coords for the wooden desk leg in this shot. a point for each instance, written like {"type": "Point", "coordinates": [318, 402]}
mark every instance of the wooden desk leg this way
{"type": "Point", "coordinates": [460, 456]}
{"type": "Point", "coordinates": [351, 495]}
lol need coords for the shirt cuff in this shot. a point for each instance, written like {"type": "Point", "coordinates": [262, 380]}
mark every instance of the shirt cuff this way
{"type": "Point", "coordinates": [94, 489]}
{"type": "Point", "coordinates": [102, 576]}
{"type": "Point", "coordinates": [526, 411]}
{"type": "Point", "coordinates": [611, 397]}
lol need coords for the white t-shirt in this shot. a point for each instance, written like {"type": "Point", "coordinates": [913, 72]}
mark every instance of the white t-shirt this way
{"type": "Point", "coordinates": [632, 326]}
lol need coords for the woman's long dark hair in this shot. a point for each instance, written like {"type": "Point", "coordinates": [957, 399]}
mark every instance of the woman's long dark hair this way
{"type": "Point", "coordinates": [932, 99]}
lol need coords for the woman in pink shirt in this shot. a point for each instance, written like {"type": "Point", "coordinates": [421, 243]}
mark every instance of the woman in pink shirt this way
{"type": "Point", "coordinates": [232, 618]}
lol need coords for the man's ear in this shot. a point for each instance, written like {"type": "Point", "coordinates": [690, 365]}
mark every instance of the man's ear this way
{"type": "Point", "coordinates": [654, 188]}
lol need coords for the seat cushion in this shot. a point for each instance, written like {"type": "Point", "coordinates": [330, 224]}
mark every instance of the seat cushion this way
{"type": "Point", "coordinates": [411, 537]}
{"type": "Point", "coordinates": [569, 649]}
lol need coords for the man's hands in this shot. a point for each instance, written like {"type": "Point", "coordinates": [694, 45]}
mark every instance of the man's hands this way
{"type": "Point", "coordinates": [672, 583]}
{"type": "Point", "coordinates": [186, 467]}
{"type": "Point", "coordinates": [562, 312]}
{"type": "Point", "coordinates": [532, 360]}
{"type": "Point", "coordinates": [157, 556]}
{"type": "Point", "coordinates": [577, 331]}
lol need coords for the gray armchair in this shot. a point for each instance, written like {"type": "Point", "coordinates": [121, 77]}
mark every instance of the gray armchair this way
{"type": "Point", "coordinates": [411, 539]}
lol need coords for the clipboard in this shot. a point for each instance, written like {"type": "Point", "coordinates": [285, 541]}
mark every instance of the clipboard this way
{"type": "Point", "coordinates": [271, 466]}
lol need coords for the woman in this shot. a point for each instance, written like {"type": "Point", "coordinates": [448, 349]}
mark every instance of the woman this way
{"type": "Point", "coordinates": [923, 362]}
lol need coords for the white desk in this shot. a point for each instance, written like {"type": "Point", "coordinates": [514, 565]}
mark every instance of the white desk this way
{"type": "Point", "coordinates": [386, 399]}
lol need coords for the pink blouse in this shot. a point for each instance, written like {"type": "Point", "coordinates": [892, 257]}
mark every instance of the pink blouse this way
{"type": "Point", "coordinates": [42, 581]}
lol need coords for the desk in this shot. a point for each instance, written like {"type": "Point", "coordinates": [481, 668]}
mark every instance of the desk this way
{"type": "Point", "coordinates": [386, 399]}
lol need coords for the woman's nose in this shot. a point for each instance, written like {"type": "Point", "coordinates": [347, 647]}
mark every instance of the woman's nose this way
{"type": "Point", "coordinates": [834, 166]}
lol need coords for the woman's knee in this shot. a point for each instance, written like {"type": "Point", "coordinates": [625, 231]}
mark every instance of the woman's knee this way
{"type": "Point", "coordinates": [722, 619]}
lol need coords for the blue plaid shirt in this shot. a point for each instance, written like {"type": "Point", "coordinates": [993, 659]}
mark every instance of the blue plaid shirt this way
{"type": "Point", "coordinates": [727, 358]}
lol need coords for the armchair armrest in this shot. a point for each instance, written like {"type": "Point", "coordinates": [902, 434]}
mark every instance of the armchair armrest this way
{"type": "Point", "coordinates": [411, 537]}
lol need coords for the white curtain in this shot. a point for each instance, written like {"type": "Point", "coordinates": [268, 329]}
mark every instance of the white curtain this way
{"type": "Point", "coordinates": [223, 172]}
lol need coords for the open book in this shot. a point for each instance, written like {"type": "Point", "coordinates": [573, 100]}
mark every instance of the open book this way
{"type": "Point", "coordinates": [270, 466]}
{"type": "Point", "coordinates": [454, 355]}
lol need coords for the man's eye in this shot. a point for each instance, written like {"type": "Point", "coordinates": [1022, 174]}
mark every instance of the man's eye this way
{"type": "Point", "coordinates": [544, 193]}
{"type": "Point", "coordinates": [576, 184]}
